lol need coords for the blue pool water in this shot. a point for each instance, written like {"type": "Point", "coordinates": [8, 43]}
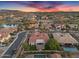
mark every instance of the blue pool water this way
{"type": "Point", "coordinates": [70, 49]}
{"type": "Point", "coordinates": [5, 25]}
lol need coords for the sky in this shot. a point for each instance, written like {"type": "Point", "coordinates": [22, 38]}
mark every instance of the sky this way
{"type": "Point", "coordinates": [40, 6]}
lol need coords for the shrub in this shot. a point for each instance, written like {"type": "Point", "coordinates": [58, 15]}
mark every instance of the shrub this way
{"type": "Point", "coordinates": [26, 46]}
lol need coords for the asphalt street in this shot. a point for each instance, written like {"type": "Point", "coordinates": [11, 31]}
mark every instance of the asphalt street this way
{"type": "Point", "coordinates": [14, 45]}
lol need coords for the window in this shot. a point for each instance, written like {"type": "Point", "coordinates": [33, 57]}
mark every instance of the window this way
{"type": "Point", "coordinates": [39, 43]}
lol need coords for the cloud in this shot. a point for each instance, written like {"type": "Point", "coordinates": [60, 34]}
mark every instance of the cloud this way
{"type": "Point", "coordinates": [40, 4]}
{"type": "Point", "coordinates": [67, 8]}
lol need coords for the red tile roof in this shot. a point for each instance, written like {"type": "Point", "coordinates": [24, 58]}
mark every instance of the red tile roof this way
{"type": "Point", "coordinates": [3, 34]}
{"type": "Point", "coordinates": [38, 35]}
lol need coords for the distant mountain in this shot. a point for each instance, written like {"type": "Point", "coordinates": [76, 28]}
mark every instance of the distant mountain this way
{"type": "Point", "coordinates": [9, 10]}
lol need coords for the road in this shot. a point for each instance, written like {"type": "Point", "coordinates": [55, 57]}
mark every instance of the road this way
{"type": "Point", "coordinates": [14, 45]}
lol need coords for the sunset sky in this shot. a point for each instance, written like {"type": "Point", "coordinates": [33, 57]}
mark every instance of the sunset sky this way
{"type": "Point", "coordinates": [40, 6]}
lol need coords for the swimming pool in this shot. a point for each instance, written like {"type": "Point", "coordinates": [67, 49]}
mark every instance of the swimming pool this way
{"type": "Point", "coordinates": [8, 25]}
{"type": "Point", "coordinates": [70, 49]}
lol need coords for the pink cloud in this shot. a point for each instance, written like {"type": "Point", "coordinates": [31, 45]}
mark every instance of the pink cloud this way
{"type": "Point", "coordinates": [65, 8]}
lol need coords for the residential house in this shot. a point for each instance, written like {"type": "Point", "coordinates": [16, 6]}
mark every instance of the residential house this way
{"type": "Point", "coordinates": [4, 36]}
{"type": "Point", "coordinates": [39, 39]}
{"type": "Point", "coordinates": [65, 38]}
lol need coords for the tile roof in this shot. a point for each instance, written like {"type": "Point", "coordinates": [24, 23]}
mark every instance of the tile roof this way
{"type": "Point", "coordinates": [8, 30]}
{"type": "Point", "coordinates": [38, 35]}
{"type": "Point", "coordinates": [64, 38]}
{"type": "Point", "coordinates": [5, 33]}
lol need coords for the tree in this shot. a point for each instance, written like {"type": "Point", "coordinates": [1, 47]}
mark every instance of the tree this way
{"type": "Point", "coordinates": [26, 46]}
{"type": "Point", "coordinates": [52, 44]}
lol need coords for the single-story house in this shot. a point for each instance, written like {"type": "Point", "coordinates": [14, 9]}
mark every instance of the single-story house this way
{"type": "Point", "coordinates": [39, 39]}
{"type": "Point", "coordinates": [65, 38]}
